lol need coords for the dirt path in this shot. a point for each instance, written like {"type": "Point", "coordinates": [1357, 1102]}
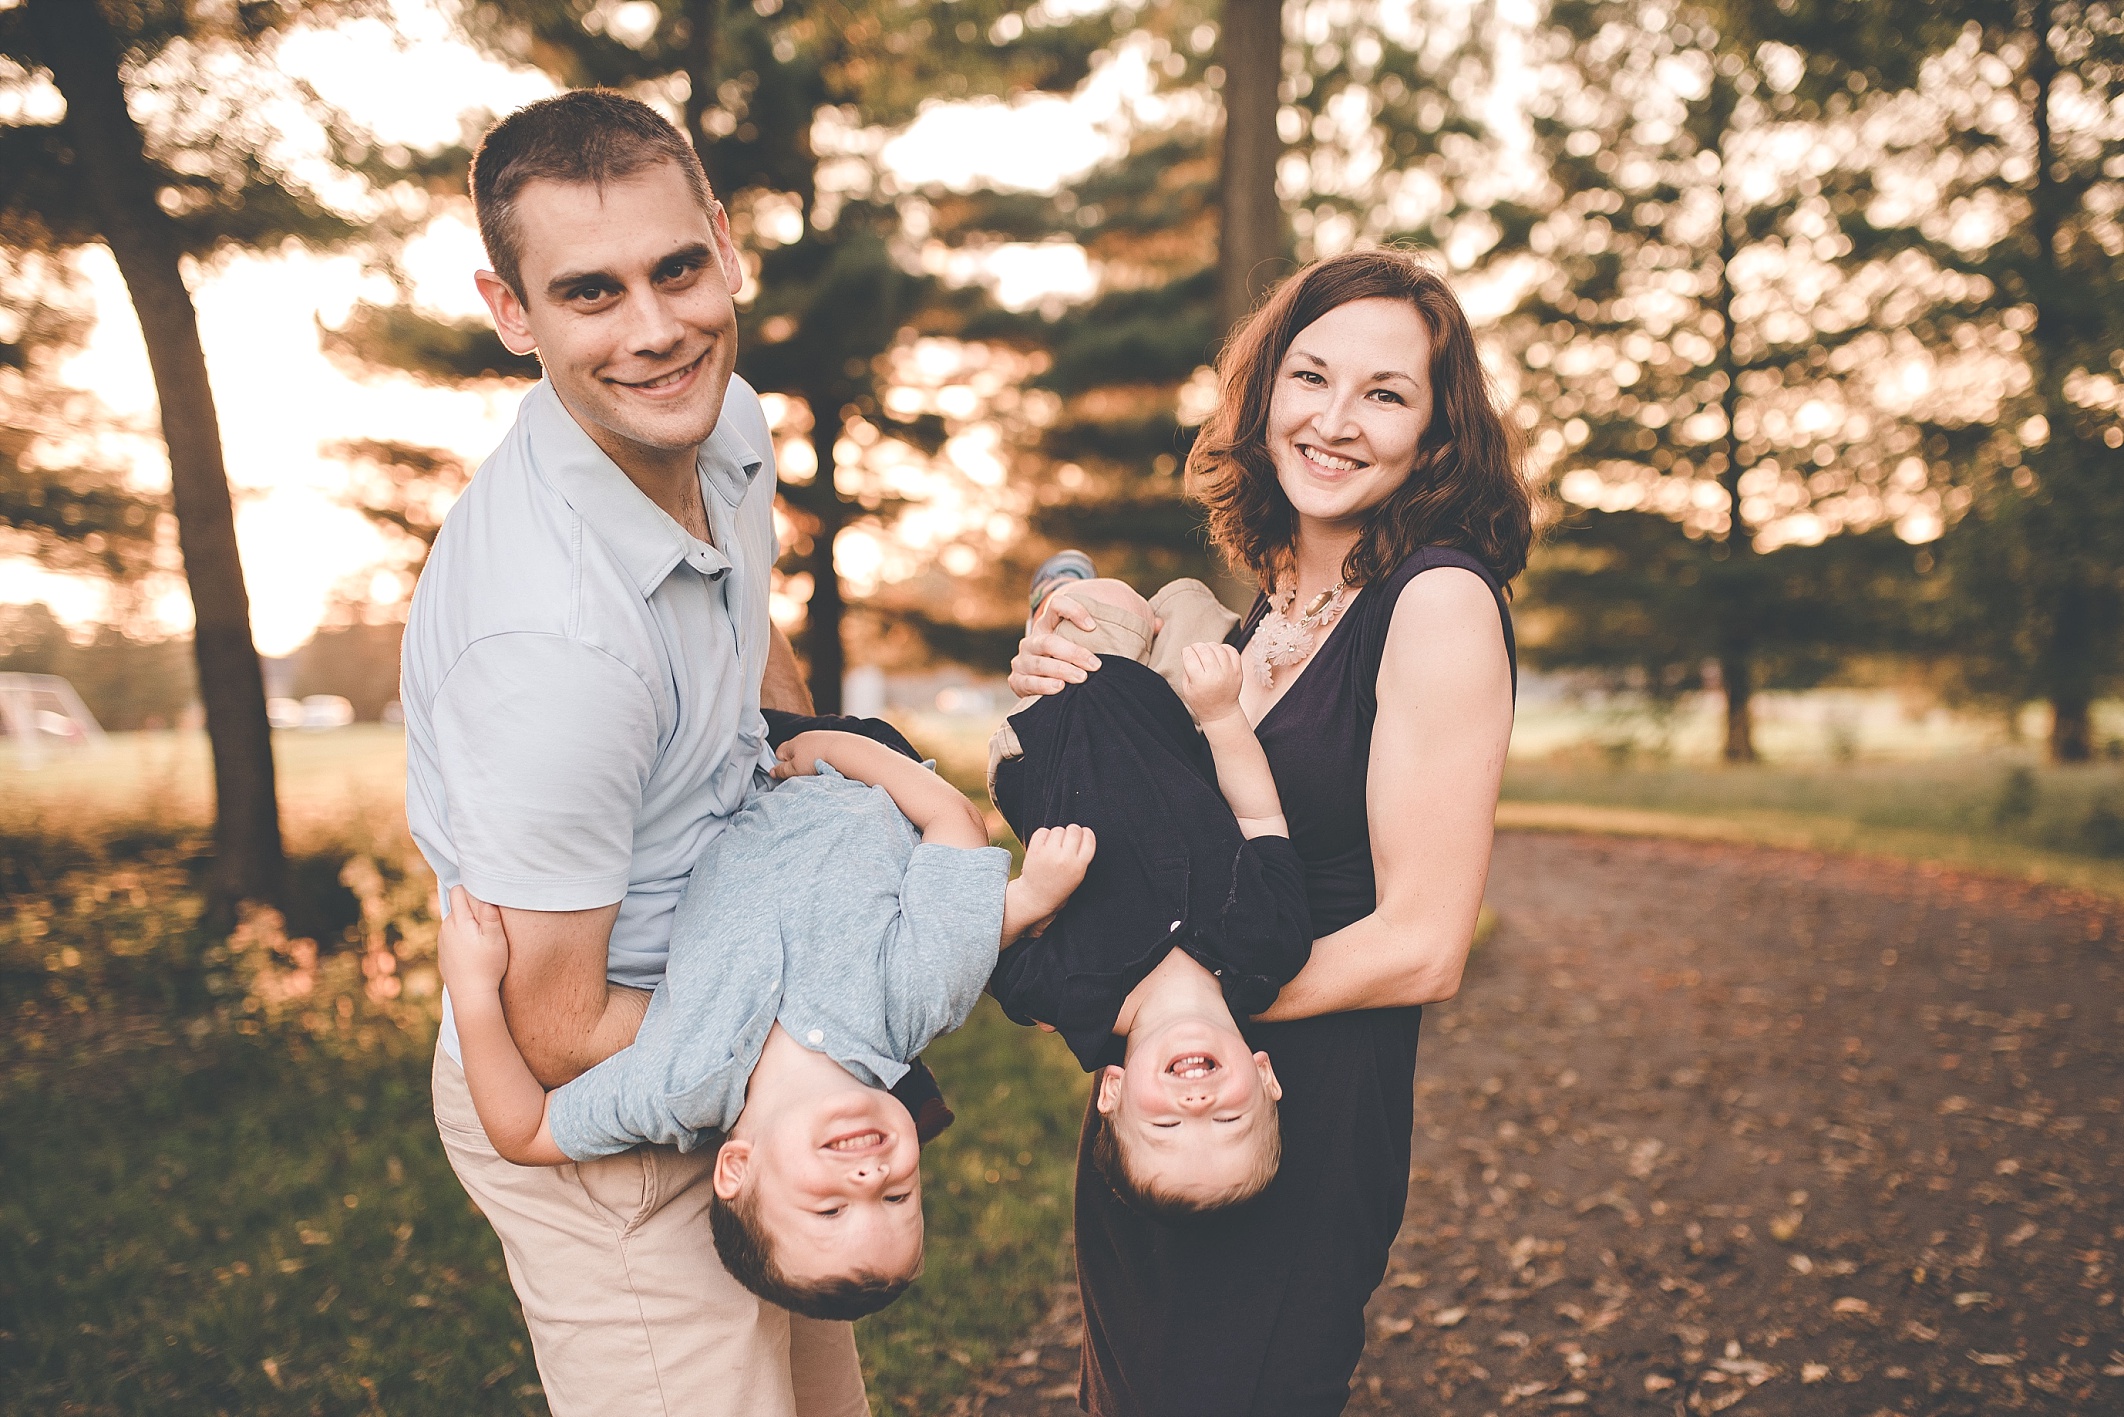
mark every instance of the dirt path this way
{"type": "Point", "coordinates": [1713, 1127]}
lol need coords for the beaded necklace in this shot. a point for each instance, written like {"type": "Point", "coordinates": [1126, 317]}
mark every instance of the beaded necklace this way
{"type": "Point", "coordinates": [1288, 642]}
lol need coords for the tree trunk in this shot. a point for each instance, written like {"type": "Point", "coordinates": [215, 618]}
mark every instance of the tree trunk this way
{"type": "Point", "coordinates": [1736, 675]}
{"type": "Point", "coordinates": [2068, 673]}
{"type": "Point", "coordinates": [2066, 664]}
{"type": "Point", "coordinates": [820, 643]}
{"type": "Point", "coordinates": [1250, 245]}
{"type": "Point", "coordinates": [77, 43]}
{"type": "Point", "coordinates": [703, 19]}
{"type": "Point", "coordinates": [1736, 586]}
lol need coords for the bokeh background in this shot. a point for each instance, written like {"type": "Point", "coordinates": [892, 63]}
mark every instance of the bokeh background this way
{"type": "Point", "coordinates": [1809, 312]}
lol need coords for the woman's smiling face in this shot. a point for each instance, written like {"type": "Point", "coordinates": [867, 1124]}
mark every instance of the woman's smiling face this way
{"type": "Point", "coordinates": [1351, 402]}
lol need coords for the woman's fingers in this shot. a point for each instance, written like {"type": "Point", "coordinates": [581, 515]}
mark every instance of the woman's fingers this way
{"type": "Point", "coordinates": [1054, 646]}
{"type": "Point", "coordinates": [1045, 663]}
{"type": "Point", "coordinates": [1059, 607]}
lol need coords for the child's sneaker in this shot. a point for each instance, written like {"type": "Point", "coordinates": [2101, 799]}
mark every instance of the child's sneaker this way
{"type": "Point", "coordinates": [1057, 571]}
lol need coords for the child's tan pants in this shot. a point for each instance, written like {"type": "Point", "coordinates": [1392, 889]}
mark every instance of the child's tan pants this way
{"type": "Point", "coordinates": [1188, 613]}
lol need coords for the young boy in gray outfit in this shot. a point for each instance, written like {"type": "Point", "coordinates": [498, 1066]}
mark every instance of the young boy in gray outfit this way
{"type": "Point", "coordinates": [839, 923]}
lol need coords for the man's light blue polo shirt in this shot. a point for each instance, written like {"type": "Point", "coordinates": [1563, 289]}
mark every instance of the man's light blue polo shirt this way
{"type": "Point", "coordinates": [581, 677]}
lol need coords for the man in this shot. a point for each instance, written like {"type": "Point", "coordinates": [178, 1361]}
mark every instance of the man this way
{"type": "Point", "coordinates": [583, 685]}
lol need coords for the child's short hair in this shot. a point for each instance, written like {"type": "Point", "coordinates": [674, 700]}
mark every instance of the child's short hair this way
{"type": "Point", "coordinates": [748, 1253]}
{"type": "Point", "coordinates": [1111, 1159]}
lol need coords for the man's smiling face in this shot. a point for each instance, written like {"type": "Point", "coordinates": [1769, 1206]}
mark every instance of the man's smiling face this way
{"type": "Point", "coordinates": [627, 299]}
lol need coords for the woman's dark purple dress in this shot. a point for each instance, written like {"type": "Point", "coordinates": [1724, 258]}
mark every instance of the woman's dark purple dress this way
{"type": "Point", "coordinates": [1260, 1309]}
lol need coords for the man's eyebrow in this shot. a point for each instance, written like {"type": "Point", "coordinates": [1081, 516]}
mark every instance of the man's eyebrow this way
{"type": "Point", "coordinates": [568, 280]}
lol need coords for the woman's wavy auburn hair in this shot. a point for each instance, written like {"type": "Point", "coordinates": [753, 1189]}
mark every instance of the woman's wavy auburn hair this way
{"type": "Point", "coordinates": [1468, 488]}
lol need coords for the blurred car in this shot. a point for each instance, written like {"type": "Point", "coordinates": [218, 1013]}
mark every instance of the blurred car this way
{"type": "Point", "coordinates": [326, 711]}
{"type": "Point", "coordinates": [314, 711]}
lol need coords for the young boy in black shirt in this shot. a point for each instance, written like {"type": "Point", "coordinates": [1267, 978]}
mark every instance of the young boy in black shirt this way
{"type": "Point", "coordinates": [1193, 913]}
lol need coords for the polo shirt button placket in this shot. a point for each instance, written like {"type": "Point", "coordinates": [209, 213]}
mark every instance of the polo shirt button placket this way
{"type": "Point", "coordinates": [817, 1035]}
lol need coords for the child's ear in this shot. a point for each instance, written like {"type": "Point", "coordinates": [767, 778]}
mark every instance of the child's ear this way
{"type": "Point", "coordinates": [1109, 1091]}
{"type": "Point", "coordinates": [732, 1161]}
{"type": "Point", "coordinates": [1268, 1077]}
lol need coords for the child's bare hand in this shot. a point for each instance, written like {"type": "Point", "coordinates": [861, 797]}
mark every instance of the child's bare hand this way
{"type": "Point", "coordinates": [799, 757]}
{"type": "Point", "coordinates": [1055, 862]}
{"type": "Point", "coordinates": [1210, 679]}
{"type": "Point", "coordinates": [475, 949]}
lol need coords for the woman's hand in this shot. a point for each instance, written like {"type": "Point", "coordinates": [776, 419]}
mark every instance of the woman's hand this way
{"type": "Point", "coordinates": [1045, 661]}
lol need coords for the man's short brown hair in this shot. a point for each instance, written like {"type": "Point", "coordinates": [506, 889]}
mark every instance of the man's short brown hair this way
{"type": "Point", "coordinates": [590, 136]}
{"type": "Point", "coordinates": [747, 1252]}
{"type": "Point", "coordinates": [1110, 1159]}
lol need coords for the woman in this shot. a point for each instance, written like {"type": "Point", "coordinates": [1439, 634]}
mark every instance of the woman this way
{"type": "Point", "coordinates": [1358, 469]}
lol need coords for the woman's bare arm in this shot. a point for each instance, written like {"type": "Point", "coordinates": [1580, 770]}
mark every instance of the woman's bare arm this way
{"type": "Point", "coordinates": [1438, 751]}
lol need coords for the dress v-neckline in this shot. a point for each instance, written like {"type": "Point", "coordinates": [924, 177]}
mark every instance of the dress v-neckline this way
{"type": "Point", "coordinates": [1305, 666]}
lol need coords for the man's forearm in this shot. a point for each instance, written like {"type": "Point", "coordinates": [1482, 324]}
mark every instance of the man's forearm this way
{"type": "Point", "coordinates": [782, 686]}
{"type": "Point", "coordinates": [559, 1048]}
{"type": "Point", "coordinates": [562, 1013]}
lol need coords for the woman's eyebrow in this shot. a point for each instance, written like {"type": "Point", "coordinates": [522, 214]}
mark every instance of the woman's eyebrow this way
{"type": "Point", "coordinates": [1318, 363]}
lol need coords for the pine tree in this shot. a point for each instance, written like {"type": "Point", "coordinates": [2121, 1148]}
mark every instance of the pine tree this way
{"type": "Point", "coordinates": [1997, 173]}
{"type": "Point", "coordinates": [187, 185]}
{"type": "Point", "coordinates": [1377, 138]}
{"type": "Point", "coordinates": [1701, 344]}
{"type": "Point", "coordinates": [837, 287]}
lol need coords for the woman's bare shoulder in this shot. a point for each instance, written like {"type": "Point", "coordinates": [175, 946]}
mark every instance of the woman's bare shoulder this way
{"type": "Point", "coordinates": [1445, 629]}
{"type": "Point", "coordinates": [1443, 593]}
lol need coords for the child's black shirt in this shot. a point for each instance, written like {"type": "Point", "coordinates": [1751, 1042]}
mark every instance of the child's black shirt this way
{"type": "Point", "coordinates": [1119, 753]}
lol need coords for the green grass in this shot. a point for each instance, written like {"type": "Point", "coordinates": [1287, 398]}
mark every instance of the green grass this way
{"type": "Point", "coordinates": [221, 1193]}
{"type": "Point", "coordinates": [249, 1224]}
{"type": "Point", "coordinates": [1996, 810]}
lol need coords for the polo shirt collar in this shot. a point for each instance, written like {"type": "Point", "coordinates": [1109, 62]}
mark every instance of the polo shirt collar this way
{"type": "Point", "coordinates": [644, 538]}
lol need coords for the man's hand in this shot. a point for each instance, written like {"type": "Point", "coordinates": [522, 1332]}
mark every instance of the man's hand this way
{"type": "Point", "coordinates": [1210, 680]}
{"type": "Point", "coordinates": [474, 946]}
{"type": "Point", "coordinates": [1045, 661]}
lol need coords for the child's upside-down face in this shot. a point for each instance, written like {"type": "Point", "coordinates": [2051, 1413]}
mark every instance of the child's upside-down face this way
{"type": "Point", "coordinates": [839, 1184]}
{"type": "Point", "coordinates": [1193, 1109]}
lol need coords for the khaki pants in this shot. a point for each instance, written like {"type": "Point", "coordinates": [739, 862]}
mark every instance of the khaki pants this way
{"type": "Point", "coordinates": [631, 1312]}
{"type": "Point", "coordinates": [1188, 613]}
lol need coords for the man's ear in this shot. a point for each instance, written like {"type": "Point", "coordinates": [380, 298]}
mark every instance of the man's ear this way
{"type": "Point", "coordinates": [732, 1161]}
{"type": "Point", "coordinates": [726, 254]}
{"type": "Point", "coordinates": [1109, 1091]}
{"type": "Point", "coordinates": [1267, 1070]}
{"type": "Point", "coordinates": [508, 312]}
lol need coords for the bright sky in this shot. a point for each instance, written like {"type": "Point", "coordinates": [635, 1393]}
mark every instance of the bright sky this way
{"type": "Point", "coordinates": [280, 400]}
